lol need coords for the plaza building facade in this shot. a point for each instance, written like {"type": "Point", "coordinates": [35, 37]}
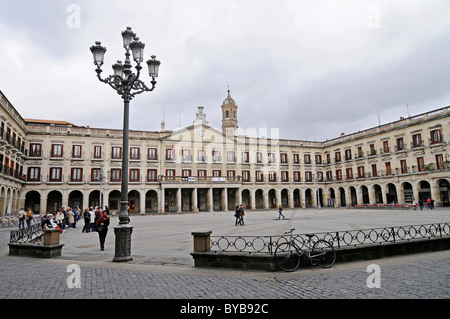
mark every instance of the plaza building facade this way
{"type": "Point", "coordinates": [46, 165]}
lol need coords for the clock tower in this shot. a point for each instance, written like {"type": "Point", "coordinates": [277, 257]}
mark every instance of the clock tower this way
{"type": "Point", "coordinates": [229, 116]}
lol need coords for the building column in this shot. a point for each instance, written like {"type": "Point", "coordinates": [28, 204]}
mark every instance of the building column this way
{"type": "Point", "coordinates": [210, 200]}
{"type": "Point", "coordinates": [194, 200]}
{"type": "Point", "coordinates": [225, 199]}
{"type": "Point", "coordinates": [142, 202]}
{"type": "Point", "coordinates": [162, 200]}
{"type": "Point", "coordinates": [278, 197]}
{"type": "Point", "coordinates": [266, 198]}
{"type": "Point", "coordinates": [179, 200]}
{"type": "Point", "coordinates": [43, 203]}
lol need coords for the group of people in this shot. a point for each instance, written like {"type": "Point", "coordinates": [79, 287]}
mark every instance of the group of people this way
{"type": "Point", "coordinates": [25, 217]}
{"type": "Point", "coordinates": [97, 220]}
{"type": "Point", "coordinates": [429, 203]}
{"type": "Point", "coordinates": [94, 220]}
{"type": "Point", "coordinates": [239, 214]}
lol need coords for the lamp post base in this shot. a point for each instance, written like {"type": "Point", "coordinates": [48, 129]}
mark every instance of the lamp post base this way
{"type": "Point", "coordinates": [123, 242]}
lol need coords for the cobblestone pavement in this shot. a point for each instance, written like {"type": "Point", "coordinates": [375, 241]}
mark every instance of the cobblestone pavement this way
{"type": "Point", "coordinates": [419, 276]}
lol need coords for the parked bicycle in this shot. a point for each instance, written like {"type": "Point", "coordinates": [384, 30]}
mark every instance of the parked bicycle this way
{"type": "Point", "coordinates": [288, 254]}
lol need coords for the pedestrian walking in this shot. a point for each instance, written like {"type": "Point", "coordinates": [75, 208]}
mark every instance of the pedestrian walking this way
{"type": "Point", "coordinates": [92, 221]}
{"type": "Point", "coordinates": [71, 218]}
{"type": "Point", "coordinates": [87, 221]}
{"type": "Point", "coordinates": [29, 217]}
{"type": "Point", "coordinates": [22, 216]}
{"type": "Point", "coordinates": [242, 214]}
{"type": "Point", "coordinates": [101, 226]}
{"type": "Point", "coordinates": [429, 203]}
{"type": "Point", "coordinates": [280, 210]}
{"type": "Point", "coordinates": [421, 204]}
{"type": "Point", "coordinates": [237, 215]}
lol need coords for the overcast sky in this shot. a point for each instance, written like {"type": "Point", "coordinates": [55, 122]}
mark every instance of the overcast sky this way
{"type": "Point", "coordinates": [312, 69]}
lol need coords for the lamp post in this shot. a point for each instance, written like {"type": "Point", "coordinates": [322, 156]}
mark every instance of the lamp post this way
{"type": "Point", "coordinates": [127, 85]}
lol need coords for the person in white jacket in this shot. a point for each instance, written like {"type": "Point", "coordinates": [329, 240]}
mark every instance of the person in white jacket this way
{"type": "Point", "coordinates": [92, 224]}
{"type": "Point", "coordinates": [60, 219]}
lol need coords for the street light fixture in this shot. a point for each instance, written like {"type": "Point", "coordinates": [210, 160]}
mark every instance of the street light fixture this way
{"type": "Point", "coordinates": [127, 85]}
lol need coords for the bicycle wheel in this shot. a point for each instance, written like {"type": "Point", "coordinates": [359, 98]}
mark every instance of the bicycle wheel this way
{"type": "Point", "coordinates": [323, 254]}
{"type": "Point", "coordinates": [287, 257]}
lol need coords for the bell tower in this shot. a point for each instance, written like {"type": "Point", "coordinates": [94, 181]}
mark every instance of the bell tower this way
{"type": "Point", "coordinates": [229, 116]}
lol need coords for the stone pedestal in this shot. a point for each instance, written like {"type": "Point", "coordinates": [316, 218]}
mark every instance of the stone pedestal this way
{"type": "Point", "coordinates": [202, 242]}
{"type": "Point", "coordinates": [123, 242]}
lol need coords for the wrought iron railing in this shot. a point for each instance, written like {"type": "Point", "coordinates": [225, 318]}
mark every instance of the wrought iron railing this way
{"type": "Point", "coordinates": [339, 239]}
{"type": "Point", "coordinates": [31, 233]}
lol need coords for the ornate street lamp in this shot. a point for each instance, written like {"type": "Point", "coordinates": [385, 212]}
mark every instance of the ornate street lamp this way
{"type": "Point", "coordinates": [127, 85]}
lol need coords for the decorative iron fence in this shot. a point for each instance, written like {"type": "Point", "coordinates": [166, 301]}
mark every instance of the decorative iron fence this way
{"type": "Point", "coordinates": [339, 239]}
{"type": "Point", "coordinates": [31, 233]}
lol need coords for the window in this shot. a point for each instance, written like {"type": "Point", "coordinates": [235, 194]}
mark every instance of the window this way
{"type": "Point", "coordinates": [403, 167]}
{"type": "Point", "coordinates": [307, 158]}
{"type": "Point", "coordinates": [231, 174]}
{"type": "Point", "coordinates": [34, 174]}
{"type": "Point", "coordinates": [116, 175]}
{"type": "Point", "coordinates": [217, 173]}
{"type": "Point", "coordinates": [338, 174]}
{"type": "Point", "coordinates": [436, 136]}
{"type": "Point", "coordinates": [259, 176]}
{"type": "Point", "coordinates": [134, 175]}
{"type": "Point", "coordinates": [258, 157]}
{"type": "Point", "coordinates": [202, 174]}
{"type": "Point", "coordinates": [318, 159]}
{"type": "Point", "coordinates": [374, 170]}
{"type": "Point", "coordinates": [348, 155]}
{"type": "Point", "coordinates": [186, 155]}
{"type": "Point", "coordinates": [152, 154]}
{"type": "Point", "coordinates": [271, 158]}
{"type": "Point", "coordinates": [361, 172]}
{"type": "Point", "coordinates": [216, 156]}
{"type": "Point", "coordinates": [170, 174]}
{"type": "Point", "coordinates": [297, 176]}
{"type": "Point", "coordinates": [116, 152]}
{"type": "Point", "coordinates": [245, 157]}
{"type": "Point", "coordinates": [400, 144]}
{"type": "Point", "coordinates": [231, 157]}
{"type": "Point", "coordinates": [386, 147]}
{"type": "Point", "coordinates": [417, 140]}
{"type": "Point", "coordinates": [201, 155]}
{"type": "Point", "coordinates": [439, 161]}
{"type": "Point", "coordinates": [296, 159]}
{"type": "Point", "coordinates": [35, 150]}
{"type": "Point", "coordinates": [285, 176]}
{"type": "Point", "coordinates": [55, 174]}
{"type": "Point", "coordinates": [308, 177]}
{"type": "Point", "coordinates": [388, 168]}
{"type": "Point", "coordinates": [135, 153]}
{"type": "Point", "coordinates": [283, 158]}
{"type": "Point", "coordinates": [337, 157]}
{"type": "Point", "coordinates": [97, 152]}
{"type": "Point", "coordinates": [360, 152]}
{"type": "Point", "coordinates": [152, 175]}
{"type": "Point", "coordinates": [95, 174]}
{"type": "Point", "coordinates": [246, 176]}
{"type": "Point", "coordinates": [76, 151]}
{"type": "Point", "coordinates": [420, 164]}
{"type": "Point", "coordinates": [57, 150]}
{"type": "Point", "coordinates": [170, 154]}
{"type": "Point", "coordinates": [372, 150]}
{"type": "Point", "coordinates": [272, 176]}
{"type": "Point", "coordinates": [186, 173]}
{"type": "Point", "coordinates": [349, 172]}
{"type": "Point", "coordinates": [76, 174]}
{"type": "Point", "coordinates": [319, 176]}
{"type": "Point", "coordinates": [329, 175]}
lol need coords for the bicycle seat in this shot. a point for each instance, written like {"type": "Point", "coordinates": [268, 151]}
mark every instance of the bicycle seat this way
{"type": "Point", "coordinates": [309, 235]}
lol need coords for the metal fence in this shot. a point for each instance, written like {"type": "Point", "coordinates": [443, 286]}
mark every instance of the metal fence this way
{"type": "Point", "coordinates": [339, 239]}
{"type": "Point", "coordinates": [31, 233]}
